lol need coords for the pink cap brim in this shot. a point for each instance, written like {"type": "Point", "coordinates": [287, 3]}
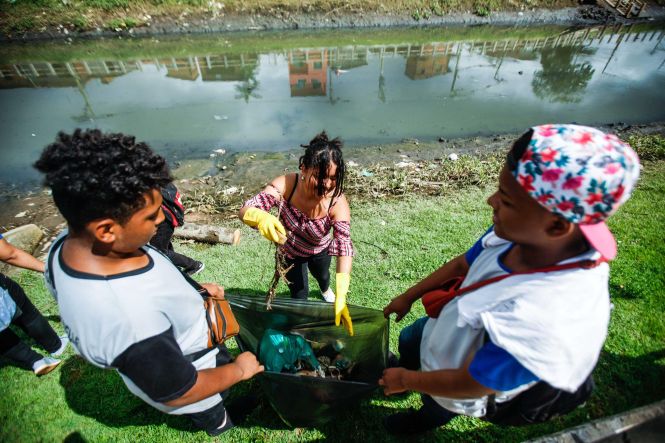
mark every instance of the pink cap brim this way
{"type": "Point", "coordinates": [601, 239]}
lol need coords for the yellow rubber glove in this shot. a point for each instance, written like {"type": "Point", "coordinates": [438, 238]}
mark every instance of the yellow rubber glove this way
{"type": "Point", "coordinates": [342, 279]}
{"type": "Point", "coordinates": [267, 224]}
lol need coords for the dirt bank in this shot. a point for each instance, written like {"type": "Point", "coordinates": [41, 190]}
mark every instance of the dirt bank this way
{"type": "Point", "coordinates": [193, 22]}
{"type": "Point", "coordinates": [215, 188]}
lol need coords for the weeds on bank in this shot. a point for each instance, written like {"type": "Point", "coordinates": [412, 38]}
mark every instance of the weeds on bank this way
{"type": "Point", "coordinates": [424, 177]}
{"type": "Point", "coordinates": [17, 16]}
{"type": "Point", "coordinates": [648, 147]}
{"type": "Point", "coordinates": [211, 195]}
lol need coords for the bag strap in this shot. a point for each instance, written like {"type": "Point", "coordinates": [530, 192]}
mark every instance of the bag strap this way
{"type": "Point", "coordinates": [584, 264]}
{"type": "Point", "coordinates": [295, 185]}
{"type": "Point", "coordinates": [51, 257]}
{"type": "Point", "coordinates": [203, 292]}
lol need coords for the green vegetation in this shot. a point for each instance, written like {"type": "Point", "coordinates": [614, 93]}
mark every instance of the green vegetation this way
{"type": "Point", "coordinates": [484, 8]}
{"type": "Point", "coordinates": [254, 42]}
{"type": "Point", "coordinates": [17, 16]}
{"type": "Point", "coordinates": [649, 147]}
{"type": "Point", "coordinates": [123, 23]}
{"type": "Point", "coordinates": [398, 240]}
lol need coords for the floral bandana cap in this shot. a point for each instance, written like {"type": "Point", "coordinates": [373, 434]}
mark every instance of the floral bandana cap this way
{"type": "Point", "coordinates": [582, 174]}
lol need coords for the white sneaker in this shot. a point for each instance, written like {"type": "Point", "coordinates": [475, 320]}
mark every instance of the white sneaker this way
{"type": "Point", "coordinates": [328, 296]}
{"type": "Point", "coordinates": [64, 341]}
{"type": "Point", "coordinates": [45, 365]}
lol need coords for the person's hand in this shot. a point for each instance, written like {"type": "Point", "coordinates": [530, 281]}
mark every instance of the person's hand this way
{"type": "Point", "coordinates": [342, 281]}
{"type": "Point", "coordinates": [393, 380]}
{"type": "Point", "coordinates": [400, 305]}
{"type": "Point", "coordinates": [248, 364]}
{"type": "Point", "coordinates": [214, 289]}
{"type": "Point", "coordinates": [267, 224]}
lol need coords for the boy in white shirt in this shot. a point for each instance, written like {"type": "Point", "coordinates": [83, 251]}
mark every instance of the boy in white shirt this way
{"type": "Point", "coordinates": [535, 336]}
{"type": "Point", "coordinates": [125, 306]}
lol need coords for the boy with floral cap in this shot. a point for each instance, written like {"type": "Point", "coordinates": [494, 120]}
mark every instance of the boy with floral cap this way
{"type": "Point", "coordinates": [531, 311]}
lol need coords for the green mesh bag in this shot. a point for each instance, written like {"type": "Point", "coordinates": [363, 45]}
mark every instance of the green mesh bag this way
{"type": "Point", "coordinates": [303, 401]}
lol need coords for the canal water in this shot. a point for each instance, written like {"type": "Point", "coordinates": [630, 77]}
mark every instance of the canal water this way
{"type": "Point", "coordinates": [189, 96]}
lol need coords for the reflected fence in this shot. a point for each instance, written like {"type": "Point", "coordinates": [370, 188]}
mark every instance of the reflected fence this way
{"type": "Point", "coordinates": [240, 67]}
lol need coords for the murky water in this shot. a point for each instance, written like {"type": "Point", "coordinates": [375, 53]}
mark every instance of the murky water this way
{"type": "Point", "coordinates": [190, 96]}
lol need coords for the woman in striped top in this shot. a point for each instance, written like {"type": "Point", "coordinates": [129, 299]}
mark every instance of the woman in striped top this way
{"type": "Point", "coordinates": [310, 203]}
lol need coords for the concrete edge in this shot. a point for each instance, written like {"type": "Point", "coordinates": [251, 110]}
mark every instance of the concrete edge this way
{"type": "Point", "coordinates": [606, 427]}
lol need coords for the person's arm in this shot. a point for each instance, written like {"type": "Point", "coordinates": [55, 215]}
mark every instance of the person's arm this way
{"type": "Point", "coordinates": [18, 257]}
{"type": "Point", "coordinates": [276, 189]}
{"type": "Point", "coordinates": [401, 304]}
{"type": "Point", "coordinates": [214, 380]}
{"type": "Point", "coordinates": [449, 383]}
{"type": "Point", "coordinates": [341, 212]}
{"type": "Point", "coordinates": [344, 264]}
{"type": "Point", "coordinates": [342, 247]}
{"type": "Point", "coordinates": [157, 366]}
{"type": "Point", "coordinates": [255, 212]}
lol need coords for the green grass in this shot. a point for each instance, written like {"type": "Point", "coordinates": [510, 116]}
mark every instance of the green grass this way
{"type": "Point", "coordinates": [61, 12]}
{"type": "Point", "coordinates": [398, 241]}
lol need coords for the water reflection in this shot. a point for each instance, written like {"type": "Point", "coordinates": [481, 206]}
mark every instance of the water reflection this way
{"type": "Point", "coordinates": [308, 73]}
{"type": "Point", "coordinates": [563, 77]}
{"type": "Point", "coordinates": [188, 105]}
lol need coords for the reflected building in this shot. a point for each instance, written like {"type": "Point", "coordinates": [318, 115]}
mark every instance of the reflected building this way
{"type": "Point", "coordinates": [421, 66]}
{"type": "Point", "coordinates": [181, 68]}
{"type": "Point", "coordinates": [227, 68]}
{"type": "Point", "coordinates": [61, 75]}
{"type": "Point", "coordinates": [308, 73]}
{"type": "Point", "coordinates": [348, 58]}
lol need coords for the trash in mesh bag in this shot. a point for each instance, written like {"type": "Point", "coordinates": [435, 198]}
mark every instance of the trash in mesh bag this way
{"type": "Point", "coordinates": [353, 364]}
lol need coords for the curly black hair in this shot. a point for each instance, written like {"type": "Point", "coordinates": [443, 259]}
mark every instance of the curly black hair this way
{"type": "Point", "coordinates": [94, 175]}
{"type": "Point", "coordinates": [318, 154]}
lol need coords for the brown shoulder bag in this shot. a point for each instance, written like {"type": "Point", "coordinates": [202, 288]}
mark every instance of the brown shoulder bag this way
{"type": "Point", "coordinates": [222, 324]}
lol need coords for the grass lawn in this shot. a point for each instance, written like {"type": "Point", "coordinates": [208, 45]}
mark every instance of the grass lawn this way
{"type": "Point", "coordinates": [398, 241]}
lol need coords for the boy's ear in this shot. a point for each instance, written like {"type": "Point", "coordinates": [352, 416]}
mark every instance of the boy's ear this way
{"type": "Point", "coordinates": [104, 230]}
{"type": "Point", "coordinates": [559, 227]}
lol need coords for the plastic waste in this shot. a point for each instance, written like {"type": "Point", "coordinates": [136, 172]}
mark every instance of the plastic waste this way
{"type": "Point", "coordinates": [304, 399]}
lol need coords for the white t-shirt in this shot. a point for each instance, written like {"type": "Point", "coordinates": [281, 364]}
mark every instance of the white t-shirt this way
{"type": "Point", "coordinates": [140, 323]}
{"type": "Point", "coordinates": [554, 324]}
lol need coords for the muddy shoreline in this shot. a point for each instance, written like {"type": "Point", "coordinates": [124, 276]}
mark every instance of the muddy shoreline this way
{"type": "Point", "coordinates": [584, 15]}
{"type": "Point", "coordinates": [214, 188]}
